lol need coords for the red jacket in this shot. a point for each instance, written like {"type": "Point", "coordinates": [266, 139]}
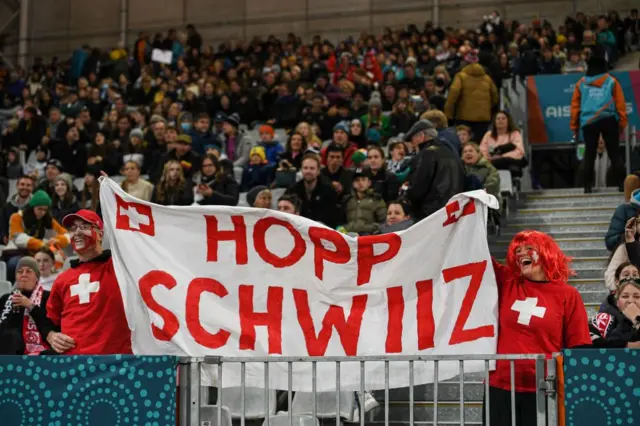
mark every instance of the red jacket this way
{"type": "Point", "coordinates": [86, 304]}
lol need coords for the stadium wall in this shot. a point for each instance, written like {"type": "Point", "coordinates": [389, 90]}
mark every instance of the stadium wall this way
{"type": "Point", "coordinates": [57, 27]}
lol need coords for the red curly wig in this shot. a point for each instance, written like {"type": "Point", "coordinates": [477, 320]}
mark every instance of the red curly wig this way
{"type": "Point", "coordinates": [554, 262]}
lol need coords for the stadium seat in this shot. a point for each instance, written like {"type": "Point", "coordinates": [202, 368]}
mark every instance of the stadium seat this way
{"type": "Point", "coordinates": [254, 402]}
{"type": "Point", "coordinates": [209, 416]}
{"type": "Point", "coordinates": [3, 271]}
{"type": "Point", "coordinates": [326, 406]}
{"type": "Point", "coordinates": [297, 420]}
{"type": "Point", "coordinates": [242, 200]}
{"type": "Point", "coordinates": [12, 188]}
{"type": "Point", "coordinates": [276, 194]}
{"type": "Point", "coordinates": [506, 186]}
{"type": "Point", "coordinates": [5, 287]}
{"type": "Point", "coordinates": [281, 136]}
{"type": "Point", "coordinates": [78, 183]}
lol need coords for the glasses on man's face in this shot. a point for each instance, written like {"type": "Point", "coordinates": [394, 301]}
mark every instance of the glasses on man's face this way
{"type": "Point", "coordinates": [85, 227]}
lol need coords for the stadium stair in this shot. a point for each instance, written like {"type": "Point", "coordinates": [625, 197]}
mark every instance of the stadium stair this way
{"type": "Point", "coordinates": [578, 222]}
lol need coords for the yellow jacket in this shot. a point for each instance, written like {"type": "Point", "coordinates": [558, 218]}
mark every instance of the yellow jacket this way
{"type": "Point", "coordinates": [472, 95]}
{"type": "Point", "coordinates": [57, 234]}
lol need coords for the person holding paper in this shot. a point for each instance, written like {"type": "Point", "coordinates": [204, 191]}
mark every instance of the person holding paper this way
{"type": "Point", "coordinates": [85, 304]}
{"type": "Point", "coordinates": [539, 314]}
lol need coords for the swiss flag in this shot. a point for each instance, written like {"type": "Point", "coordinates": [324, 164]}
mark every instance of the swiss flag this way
{"type": "Point", "coordinates": [455, 212]}
{"type": "Point", "coordinates": [134, 217]}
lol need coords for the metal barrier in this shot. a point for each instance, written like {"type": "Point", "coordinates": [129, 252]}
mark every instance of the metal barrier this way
{"type": "Point", "coordinates": [191, 392]}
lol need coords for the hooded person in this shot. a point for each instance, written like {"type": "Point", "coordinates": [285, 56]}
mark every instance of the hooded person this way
{"type": "Point", "coordinates": [23, 315]}
{"type": "Point", "coordinates": [539, 313]}
{"type": "Point", "coordinates": [598, 108]}
{"type": "Point", "coordinates": [85, 304]}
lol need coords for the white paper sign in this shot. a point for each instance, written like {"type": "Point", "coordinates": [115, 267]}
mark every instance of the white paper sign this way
{"type": "Point", "coordinates": [162, 56]}
{"type": "Point", "coordinates": [246, 282]}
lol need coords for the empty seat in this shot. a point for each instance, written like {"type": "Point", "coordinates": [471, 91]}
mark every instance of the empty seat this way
{"type": "Point", "coordinates": [3, 271]}
{"type": "Point", "coordinates": [254, 402]}
{"type": "Point", "coordinates": [12, 188]}
{"type": "Point", "coordinates": [297, 420]}
{"type": "Point", "coordinates": [209, 416]}
{"type": "Point", "coordinates": [326, 406]}
{"type": "Point", "coordinates": [506, 186]}
{"type": "Point", "coordinates": [276, 194]}
{"type": "Point", "coordinates": [242, 200]}
{"type": "Point", "coordinates": [281, 136]}
{"type": "Point", "coordinates": [5, 287]}
{"type": "Point", "coordinates": [78, 183]}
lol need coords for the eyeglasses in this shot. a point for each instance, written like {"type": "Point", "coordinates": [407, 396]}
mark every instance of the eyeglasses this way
{"type": "Point", "coordinates": [84, 227]}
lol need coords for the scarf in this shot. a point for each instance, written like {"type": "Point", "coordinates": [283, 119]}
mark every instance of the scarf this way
{"type": "Point", "coordinates": [32, 339]}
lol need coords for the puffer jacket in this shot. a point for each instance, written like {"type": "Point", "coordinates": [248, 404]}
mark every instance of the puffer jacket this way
{"type": "Point", "coordinates": [472, 95]}
{"type": "Point", "coordinates": [610, 328]}
{"type": "Point", "coordinates": [487, 174]}
{"type": "Point", "coordinates": [623, 213]}
{"type": "Point", "coordinates": [364, 216]}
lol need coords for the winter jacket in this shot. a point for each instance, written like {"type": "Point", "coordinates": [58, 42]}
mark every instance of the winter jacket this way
{"type": "Point", "coordinates": [11, 337]}
{"type": "Point", "coordinates": [190, 163]}
{"type": "Point", "coordinates": [450, 137]}
{"type": "Point", "coordinates": [348, 153]}
{"type": "Point", "coordinates": [320, 204]}
{"type": "Point", "coordinates": [488, 142]}
{"type": "Point", "coordinates": [472, 95]}
{"type": "Point", "coordinates": [174, 196]}
{"type": "Point", "coordinates": [272, 150]}
{"type": "Point", "coordinates": [12, 206]}
{"type": "Point", "coordinates": [386, 184]}
{"type": "Point", "coordinates": [30, 132]}
{"type": "Point", "coordinates": [437, 175]}
{"type": "Point", "coordinates": [73, 157]}
{"type": "Point", "coordinates": [623, 213]}
{"type": "Point", "coordinates": [611, 328]}
{"type": "Point", "coordinates": [200, 140]}
{"type": "Point", "coordinates": [243, 147]}
{"type": "Point", "coordinates": [597, 97]}
{"type": "Point", "coordinates": [23, 240]}
{"type": "Point", "coordinates": [256, 175]}
{"type": "Point", "coordinates": [365, 215]}
{"type": "Point", "coordinates": [487, 174]}
{"type": "Point", "coordinates": [382, 123]}
{"type": "Point", "coordinates": [60, 210]}
{"type": "Point", "coordinates": [225, 191]}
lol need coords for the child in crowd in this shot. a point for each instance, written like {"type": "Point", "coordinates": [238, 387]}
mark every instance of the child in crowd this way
{"type": "Point", "coordinates": [272, 147]}
{"type": "Point", "coordinates": [399, 162]}
{"type": "Point", "coordinates": [398, 218]}
{"type": "Point", "coordinates": [365, 209]}
{"type": "Point", "coordinates": [257, 172]}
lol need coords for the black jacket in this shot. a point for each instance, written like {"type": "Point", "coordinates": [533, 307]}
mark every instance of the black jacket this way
{"type": "Point", "coordinates": [175, 196]}
{"type": "Point", "coordinates": [225, 192]}
{"type": "Point", "coordinates": [321, 204]}
{"type": "Point", "coordinates": [11, 340]}
{"type": "Point", "coordinates": [73, 157]}
{"type": "Point", "coordinates": [437, 175]}
{"type": "Point", "coordinates": [387, 185]}
{"type": "Point", "coordinates": [610, 328]}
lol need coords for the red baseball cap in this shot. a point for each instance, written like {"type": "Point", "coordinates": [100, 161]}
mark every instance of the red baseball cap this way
{"type": "Point", "coordinates": [86, 215]}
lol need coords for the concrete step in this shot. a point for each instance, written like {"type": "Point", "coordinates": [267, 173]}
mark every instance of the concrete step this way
{"type": "Point", "coordinates": [561, 212]}
{"type": "Point", "coordinates": [564, 243]}
{"type": "Point", "coordinates": [541, 195]}
{"type": "Point", "coordinates": [449, 392]}
{"type": "Point", "coordinates": [609, 202]}
{"type": "Point", "coordinates": [561, 192]}
{"type": "Point", "coordinates": [501, 251]}
{"type": "Point", "coordinates": [594, 297]}
{"type": "Point", "coordinates": [509, 233]}
{"type": "Point", "coordinates": [592, 308]}
{"type": "Point", "coordinates": [556, 222]}
{"type": "Point", "coordinates": [558, 227]}
{"type": "Point", "coordinates": [448, 412]}
{"type": "Point", "coordinates": [589, 273]}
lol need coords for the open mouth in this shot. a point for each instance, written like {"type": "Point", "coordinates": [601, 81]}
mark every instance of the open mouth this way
{"type": "Point", "coordinates": [525, 261]}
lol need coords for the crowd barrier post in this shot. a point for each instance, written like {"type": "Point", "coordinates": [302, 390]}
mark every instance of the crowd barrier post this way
{"type": "Point", "coordinates": [634, 137]}
{"type": "Point", "coordinates": [190, 397]}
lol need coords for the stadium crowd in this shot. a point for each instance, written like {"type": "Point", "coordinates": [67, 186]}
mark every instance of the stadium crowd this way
{"type": "Point", "coordinates": [366, 136]}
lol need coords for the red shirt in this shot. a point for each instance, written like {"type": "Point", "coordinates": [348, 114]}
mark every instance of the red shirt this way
{"type": "Point", "coordinates": [535, 318]}
{"type": "Point", "coordinates": [86, 304]}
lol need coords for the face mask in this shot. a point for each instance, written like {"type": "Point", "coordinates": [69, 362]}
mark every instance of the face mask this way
{"type": "Point", "coordinates": [186, 126]}
{"type": "Point", "coordinates": [105, 86]}
{"type": "Point", "coordinates": [88, 242]}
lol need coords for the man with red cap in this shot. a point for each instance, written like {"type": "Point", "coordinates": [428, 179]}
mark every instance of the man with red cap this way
{"type": "Point", "coordinates": [85, 303]}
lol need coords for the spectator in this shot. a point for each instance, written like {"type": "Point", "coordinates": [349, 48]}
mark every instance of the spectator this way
{"type": "Point", "coordinates": [632, 35]}
{"type": "Point", "coordinates": [272, 147]}
{"type": "Point", "coordinates": [575, 64]}
{"type": "Point", "coordinates": [173, 189]}
{"type": "Point", "coordinates": [341, 138]}
{"type": "Point", "coordinates": [339, 177]}
{"type": "Point", "coordinates": [31, 130]}
{"type": "Point", "coordinates": [401, 119]}
{"type": "Point", "coordinates": [437, 173]}
{"type": "Point", "coordinates": [477, 165]}
{"type": "Point", "coordinates": [236, 146]}
{"type": "Point", "coordinates": [374, 119]}
{"type": "Point", "coordinates": [257, 172]}
{"type": "Point", "coordinates": [213, 185]}
{"type": "Point", "coordinates": [104, 154]}
{"type": "Point", "coordinates": [398, 218]}
{"type": "Point", "coordinates": [90, 196]}
{"type": "Point", "coordinates": [464, 134]}
{"type": "Point", "coordinates": [399, 163]}
{"type": "Point", "coordinates": [24, 314]}
{"type": "Point", "coordinates": [51, 172]}
{"type": "Point", "coordinates": [133, 184]}
{"type": "Point", "coordinates": [260, 197]}
{"type": "Point", "coordinates": [289, 204]}
{"type": "Point", "coordinates": [627, 251]}
{"type": "Point", "coordinates": [607, 38]}
{"type": "Point", "coordinates": [133, 149]}
{"type": "Point", "coordinates": [357, 135]}
{"type": "Point", "coordinates": [309, 136]}
{"type": "Point", "coordinates": [293, 153]}
{"type": "Point", "coordinates": [182, 152]}
{"type": "Point", "coordinates": [201, 135]}
{"type": "Point", "coordinates": [616, 326]}
{"type": "Point", "coordinates": [20, 200]}
{"type": "Point", "coordinates": [365, 209]}
{"type": "Point", "coordinates": [549, 63]}
{"type": "Point", "coordinates": [502, 145]}
{"type": "Point", "coordinates": [317, 196]}
{"type": "Point", "coordinates": [47, 267]}
{"type": "Point", "coordinates": [598, 108]}
{"type": "Point", "coordinates": [472, 97]}
{"type": "Point", "coordinates": [383, 182]}
{"type": "Point", "coordinates": [14, 167]}
{"type": "Point", "coordinates": [33, 228]}
{"type": "Point", "coordinates": [64, 200]}
{"type": "Point", "coordinates": [446, 134]}
{"type": "Point", "coordinates": [71, 152]}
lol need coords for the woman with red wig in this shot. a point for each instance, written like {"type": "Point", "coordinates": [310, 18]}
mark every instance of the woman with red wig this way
{"type": "Point", "coordinates": [540, 313]}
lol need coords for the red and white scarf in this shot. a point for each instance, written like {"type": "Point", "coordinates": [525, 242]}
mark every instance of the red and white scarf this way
{"type": "Point", "coordinates": [33, 343]}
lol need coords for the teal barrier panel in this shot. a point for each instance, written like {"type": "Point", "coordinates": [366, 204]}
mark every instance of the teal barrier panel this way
{"type": "Point", "coordinates": [88, 391]}
{"type": "Point", "coordinates": [602, 387]}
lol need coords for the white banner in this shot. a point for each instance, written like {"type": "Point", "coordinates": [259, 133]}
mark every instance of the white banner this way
{"type": "Point", "coordinates": [245, 282]}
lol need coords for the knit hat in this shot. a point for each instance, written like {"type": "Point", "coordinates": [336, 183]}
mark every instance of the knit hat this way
{"type": "Point", "coordinates": [233, 119]}
{"type": "Point", "coordinates": [185, 139]}
{"type": "Point", "coordinates": [375, 99]}
{"type": "Point", "coordinates": [30, 263]}
{"type": "Point", "coordinates": [359, 157]}
{"type": "Point", "coordinates": [265, 128]}
{"type": "Point", "coordinates": [259, 151]}
{"type": "Point", "coordinates": [253, 194]}
{"type": "Point", "coordinates": [362, 172]}
{"type": "Point", "coordinates": [40, 199]}
{"type": "Point", "coordinates": [137, 133]}
{"type": "Point", "coordinates": [66, 178]}
{"type": "Point", "coordinates": [342, 125]}
{"type": "Point", "coordinates": [155, 118]}
{"type": "Point", "coordinates": [55, 163]}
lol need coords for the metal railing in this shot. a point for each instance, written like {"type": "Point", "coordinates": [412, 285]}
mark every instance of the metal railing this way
{"type": "Point", "coordinates": [192, 394]}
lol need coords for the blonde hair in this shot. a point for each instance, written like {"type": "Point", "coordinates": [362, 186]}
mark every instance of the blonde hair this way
{"type": "Point", "coordinates": [164, 184]}
{"type": "Point", "coordinates": [437, 118]}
